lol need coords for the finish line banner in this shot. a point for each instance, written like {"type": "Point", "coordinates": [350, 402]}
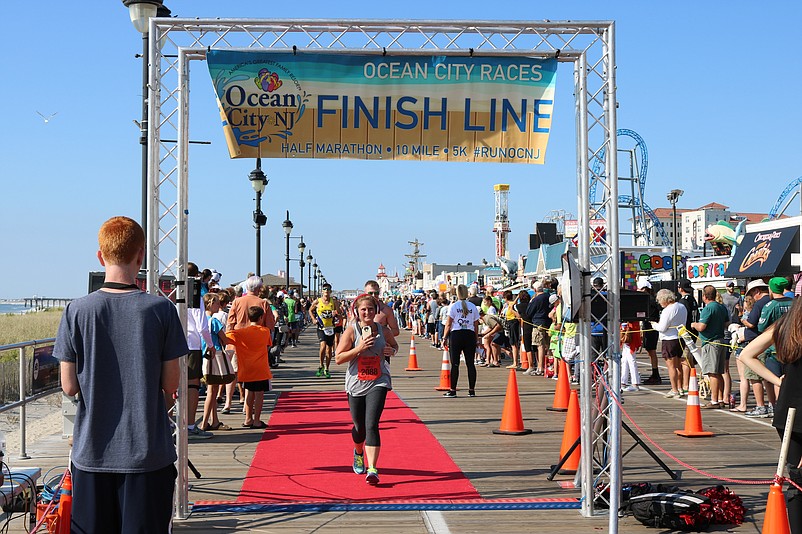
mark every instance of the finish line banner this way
{"type": "Point", "coordinates": [327, 105]}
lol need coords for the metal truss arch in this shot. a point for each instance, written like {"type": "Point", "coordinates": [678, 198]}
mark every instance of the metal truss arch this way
{"type": "Point", "coordinates": [588, 45]}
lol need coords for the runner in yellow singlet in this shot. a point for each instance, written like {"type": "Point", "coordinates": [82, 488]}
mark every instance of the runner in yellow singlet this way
{"type": "Point", "coordinates": [325, 312]}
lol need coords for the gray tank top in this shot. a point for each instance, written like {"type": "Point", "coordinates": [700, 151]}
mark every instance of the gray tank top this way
{"type": "Point", "coordinates": [359, 388]}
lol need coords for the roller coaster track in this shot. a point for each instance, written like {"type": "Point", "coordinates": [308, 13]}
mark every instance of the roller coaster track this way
{"type": "Point", "coordinates": [626, 201]}
{"type": "Point", "coordinates": [778, 207]}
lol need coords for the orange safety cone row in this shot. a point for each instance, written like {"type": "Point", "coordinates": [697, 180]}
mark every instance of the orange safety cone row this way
{"type": "Point", "coordinates": [445, 373]}
{"type": "Point", "coordinates": [775, 521]}
{"type": "Point", "coordinates": [563, 390]}
{"type": "Point", "coordinates": [571, 433]}
{"type": "Point", "coordinates": [412, 365]}
{"type": "Point", "coordinates": [693, 412]}
{"type": "Point", "coordinates": [512, 421]}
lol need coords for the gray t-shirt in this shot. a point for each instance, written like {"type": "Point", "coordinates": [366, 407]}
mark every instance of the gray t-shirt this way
{"type": "Point", "coordinates": [359, 388]}
{"type": "Point", "coordinates": [731, 302]}
{"type": "Point", "coordinates": [118, 342]}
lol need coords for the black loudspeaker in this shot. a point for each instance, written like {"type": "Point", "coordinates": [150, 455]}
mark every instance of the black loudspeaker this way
{"type": "Point", "coordinates": [634, 305]}
{"type": "Point", "coordinates": [545, 234]}
{"type": "Point", "coordinates": [193, 292]}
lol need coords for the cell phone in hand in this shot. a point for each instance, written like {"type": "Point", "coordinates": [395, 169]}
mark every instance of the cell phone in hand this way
{"type": "Point", "coordinates": [367, 331]}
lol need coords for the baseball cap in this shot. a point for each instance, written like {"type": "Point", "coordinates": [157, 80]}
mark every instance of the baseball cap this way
{"type": "Point", "coordinates": [644, 284]}
{"type": "Point", "coordinates": [730, 284]}
{"type": "Point", "coordinates": [754, 284]}
{"type": "Point", "coordinates": [686, 285]}
{"type": "Point", "coordinates": [553, 299]}
{"type": "Point", "coordinates": [778, 284]}
{"type": "Point", "coordinates": [216, 276]}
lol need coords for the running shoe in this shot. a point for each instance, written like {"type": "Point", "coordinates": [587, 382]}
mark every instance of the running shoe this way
{"type": "Point", "coordinates": [450, 394]}
{"type": "Point", "coordinates": [672, 395]}
{"type": "Point", "coordinates": [632, 388]}
{"type": "Point", "coordinates": [759, 411]}
{"type": "Point", "coordinates": [319, 372]}
{"type": "Point", "coordinates": [471, 393]}
{"type": "Point", "coordinates": [372, 477]}
{"type": "Point", "coordinates": [327, 374]}
{"type": "Point", "coordinates": [359, 463]}
{"type": "Point", "coordinates": [197, 433]}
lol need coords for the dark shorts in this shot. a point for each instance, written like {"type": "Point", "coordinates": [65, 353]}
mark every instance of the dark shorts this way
{"type": "Point", "coordinates": [431, 328]}
{"type": "Point", "coordinates": [105, 502]}
{"type": "Point", "coordinates": [294, 325]}
{"type": "Point", "coordinates": [338, 330]}
{"type": "Point", "coordinates": [650, 338]}
{"type": "Point", "coordinates": [671, 349]}
{"type": "Point", "coordinates": [501, 340]}
{"type": "Point", "coordinates": [514, 333]}
{"type": "Point", "coordinates": [194, 365]}
{"type": "Point", "coordinates": [774, 365]}
{"type": "Point", "coordinates": [261, 385]}
{"type": "Point", "coordinates": [323, 338]}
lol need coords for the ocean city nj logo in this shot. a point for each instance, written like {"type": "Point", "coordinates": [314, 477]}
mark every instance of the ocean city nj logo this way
{"type": "Point", "coordinates": [760, 252]}
{"type": "Point", "coordinates": [262, 100]}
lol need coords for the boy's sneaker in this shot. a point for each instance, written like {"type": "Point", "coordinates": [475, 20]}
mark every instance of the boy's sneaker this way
{"type": "Point", "coordinates": [319, 372]}
{"type": "Point", "coordinates": [359, 463]}
{"type": "Point", "coordinates": [759, 411]}
{"type": "Point", "coordinates": [197, 433]}
{"type": "Point", "coordinates": [372, 477]}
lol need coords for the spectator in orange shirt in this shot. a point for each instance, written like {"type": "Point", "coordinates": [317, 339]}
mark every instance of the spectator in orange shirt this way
{"type": "Point", "coordinates": [253, 370]}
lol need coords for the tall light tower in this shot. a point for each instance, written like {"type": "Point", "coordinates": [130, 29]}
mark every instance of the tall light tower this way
{"type": "Point", "coordinates": [501, 225]}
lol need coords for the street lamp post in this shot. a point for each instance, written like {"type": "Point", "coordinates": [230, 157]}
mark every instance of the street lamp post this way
{"type": "Point", "coordinates": [301, 250]}
{"type": "Point", "coordinates": [287, 225]}
{"type": "Point", "coordinates": [309, 260]}
{"type": "Point", "coordinates": [141, 11]}
{"type": "Point", "coordinates": [673, 197]}
{"type": "Point", "coordinates": [258, 181]}
{"type": "Point", "coordinates": [314, 272]}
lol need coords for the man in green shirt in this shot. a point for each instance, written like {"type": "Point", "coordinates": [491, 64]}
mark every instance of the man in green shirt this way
{"type": "Point", "coordinates": [712, 323]}
{"type": "Point", "coordinates": [292, 318]}
{"type": "Point", "coordinates": [770, 314]}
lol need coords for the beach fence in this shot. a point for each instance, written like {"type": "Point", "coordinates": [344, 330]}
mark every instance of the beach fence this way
{"type": "Point", "coordinates": [31, 375]}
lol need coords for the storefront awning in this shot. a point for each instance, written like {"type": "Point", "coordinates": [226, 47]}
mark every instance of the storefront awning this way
{"type": "Point", "coordinates": [766, 253]}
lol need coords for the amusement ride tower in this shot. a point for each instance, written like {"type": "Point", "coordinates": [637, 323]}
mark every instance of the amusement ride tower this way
{"type": "Point", "coordinates": [501, 225]}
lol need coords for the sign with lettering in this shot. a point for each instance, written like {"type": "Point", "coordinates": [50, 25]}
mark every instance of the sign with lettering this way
{"type": "Point", "coordinates": [765, 253]}
{"type": "Point", "coordinates": [706, 269]}
{"type": "Point", "coordinates": [360, 106]}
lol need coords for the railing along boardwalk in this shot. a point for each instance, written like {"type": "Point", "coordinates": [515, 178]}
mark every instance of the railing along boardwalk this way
{"type": "Point", "coordinates": [498, 466]}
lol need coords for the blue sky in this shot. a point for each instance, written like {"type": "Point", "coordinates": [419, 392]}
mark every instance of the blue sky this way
{"type": "Point", "coordinates": [712, 87]}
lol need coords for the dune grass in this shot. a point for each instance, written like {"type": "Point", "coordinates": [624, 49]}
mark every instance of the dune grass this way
{"type": "Point", "coordinates": [15, 328]}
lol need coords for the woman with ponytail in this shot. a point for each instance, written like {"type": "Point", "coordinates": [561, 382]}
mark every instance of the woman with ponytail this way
{"type": "Point", "coordinates": [459, 338]}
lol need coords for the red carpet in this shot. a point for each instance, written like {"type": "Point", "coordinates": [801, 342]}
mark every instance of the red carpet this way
{"type": "Point", "coordinates": [306, 454]}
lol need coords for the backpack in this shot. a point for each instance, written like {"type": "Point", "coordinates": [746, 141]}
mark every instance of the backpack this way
{"type": "Point", "coordinates": [677, 511]}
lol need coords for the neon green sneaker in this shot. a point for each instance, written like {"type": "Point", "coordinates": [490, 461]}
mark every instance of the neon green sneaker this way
{"type": "Point", "coordinates": [319, 372]}
{"type": "Point", "coordinates": [372, 477]}
{"type": "Point", "coordinates": [327, 374]}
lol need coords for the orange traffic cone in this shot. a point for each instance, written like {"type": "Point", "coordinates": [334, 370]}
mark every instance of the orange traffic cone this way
{"type": "Point", "coordinates": [524, 359]}
{"type": "Point", "coordinates": [512, 422]}
{"type": "Point", "coordinates": [65, 505]}
{"type": "Point", "coordinates": [445, 373]}
{"type": "Point", "coordinates": [413, 357]}
{"type": "Point", "coordinates": [775, 521]}
{"type": "Point", "coordinates": [563, 390]}
{"type": "Point", "coordinates": [693, 413]}
{"type": "Point", "coordinates": [571, 433]}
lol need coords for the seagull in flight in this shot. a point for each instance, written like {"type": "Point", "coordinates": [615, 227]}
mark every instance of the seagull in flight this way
{"type": "Point", "coordinates": [47, 119]}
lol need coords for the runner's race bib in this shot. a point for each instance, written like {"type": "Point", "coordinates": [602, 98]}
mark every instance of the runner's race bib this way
{"type": "Point", "coordinates": [329, 330]}
{"type": "Point", "coordinates": [369, 367]}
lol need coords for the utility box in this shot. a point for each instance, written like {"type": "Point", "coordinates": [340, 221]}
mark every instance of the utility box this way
{"type": "Point", "coordinates": [69, 407]}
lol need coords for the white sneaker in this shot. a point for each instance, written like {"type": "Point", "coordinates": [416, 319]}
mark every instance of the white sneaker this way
{"type": "Point", "coordinates": [632, 388]}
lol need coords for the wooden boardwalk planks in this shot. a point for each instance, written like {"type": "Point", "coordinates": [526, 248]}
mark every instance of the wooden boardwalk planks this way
{"type": "Point", "coordinates": [498, 466]}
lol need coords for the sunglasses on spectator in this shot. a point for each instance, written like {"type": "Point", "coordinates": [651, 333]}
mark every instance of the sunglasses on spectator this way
{"type": "Point", "coordinates": [374, 293]}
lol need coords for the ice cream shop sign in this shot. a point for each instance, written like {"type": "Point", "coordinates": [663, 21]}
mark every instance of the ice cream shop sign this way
{"type": "Point", "coordinates": [710, 268]}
